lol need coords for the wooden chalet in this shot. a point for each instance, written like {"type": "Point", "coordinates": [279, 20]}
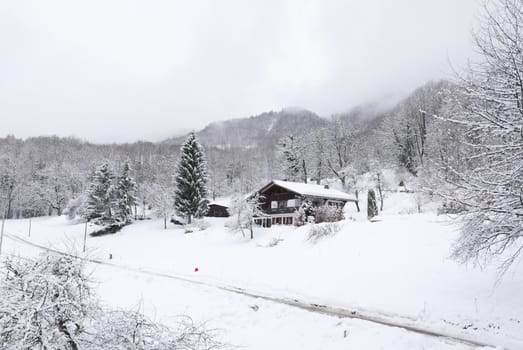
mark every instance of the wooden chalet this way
{"type": "Point", "coordinates": [283, 198]}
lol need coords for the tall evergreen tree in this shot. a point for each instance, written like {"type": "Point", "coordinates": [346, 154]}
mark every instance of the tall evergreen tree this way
{"type": "Point", "coordinates": [124, 196]}
{"type": "Point", "coordinates": [190, 198]}
{"type": "Point", "coordinates": [99, 195]}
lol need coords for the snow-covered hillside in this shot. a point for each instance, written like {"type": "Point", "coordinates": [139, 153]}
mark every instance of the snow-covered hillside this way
{"type": "Point", "coordinates": [397, 268]}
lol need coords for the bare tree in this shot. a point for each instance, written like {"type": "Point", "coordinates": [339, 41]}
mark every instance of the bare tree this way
{"type": "Point", "coordinates": [340, 136]}
{"type": "Point", "coordinates": [492, 188]}
{"type": "Point", "coordinates": [243, 212]}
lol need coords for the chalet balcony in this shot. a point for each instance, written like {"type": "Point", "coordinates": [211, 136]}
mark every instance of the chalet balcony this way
{"type": "Point", "coordinates": [284, 210]}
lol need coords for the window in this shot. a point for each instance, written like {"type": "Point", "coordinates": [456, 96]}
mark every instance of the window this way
{"type": "Point", "coordinates": [274, 205]}
{"type": "Point", "coordinates": [337, 204]}
{"type": "Point", "coordinates": [282, 204]}
{"type": "Point", "coordinates": [291, 203]}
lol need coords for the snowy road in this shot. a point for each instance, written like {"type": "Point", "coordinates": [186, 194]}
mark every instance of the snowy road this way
{"type": "Point", "coordinates": [391, 321]}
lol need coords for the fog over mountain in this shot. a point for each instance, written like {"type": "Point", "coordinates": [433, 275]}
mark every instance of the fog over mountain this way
{"type": "Point", "coordinates": [268, 127]}
{"type": "Point", "coordinates": [264, 128]}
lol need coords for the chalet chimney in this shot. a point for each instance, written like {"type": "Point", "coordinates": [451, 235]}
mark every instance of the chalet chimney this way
{"type": "Point", "coordinates": [326, 187]}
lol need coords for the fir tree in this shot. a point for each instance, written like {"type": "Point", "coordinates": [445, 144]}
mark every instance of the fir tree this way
{"type": "Point", "coordinates": [290, 158]}
{"type": "Point", "coordinates": [124, 196]}
{"type": "Point", "coordinates": [372, 207]}
{"type": "Point", "coordinates": [99, 195]}
{"type": "Point", "coordinates": [190, 198]}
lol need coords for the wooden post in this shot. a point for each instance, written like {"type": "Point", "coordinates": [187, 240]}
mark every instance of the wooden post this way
{"type": "Point", "coordinates": [2, 231]}
{"type": "Point", "coordinates": [85, 235]}
{"type": "Point", "coordinates": [30, 227]}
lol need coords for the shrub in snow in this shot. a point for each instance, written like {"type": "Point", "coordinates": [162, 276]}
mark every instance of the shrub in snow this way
{"type": "Point", "coordinates": [372, 207]}
{"type": "Point", "coordinates": [304, 211]}
{"type": "Point", "coordinates": [44, 303]}
{"type": "Point", "coordinates": [201, 224]}
{"type": "Point", "coordinates": [48, 303]}
{"type": "Point", "coordinates": [451, 207]}
{"type": "Point", "coordinates": [320, 231]}
{"type": "Point", "coordinates": [274, 242]}
{"type": "Point", "coordinates": [107, 230]}
{"type": "Point", "coordinates": [328, 213]}
{"type": "Point", "coordinates": [132, 330]}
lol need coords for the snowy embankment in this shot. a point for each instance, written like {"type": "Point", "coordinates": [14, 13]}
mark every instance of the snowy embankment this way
{"type": "Point", "coordinates": [398, 267]}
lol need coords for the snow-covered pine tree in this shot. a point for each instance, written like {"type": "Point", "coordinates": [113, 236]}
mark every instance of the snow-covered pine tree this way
{"type": "Point", "coordinates": [124, 197]}
{"type": "Point", "coordinates": [190, 195]}
{"type": "Point", "coordinates": [99, 195]}
{"type": "Point", "coordinates": [290, 157]}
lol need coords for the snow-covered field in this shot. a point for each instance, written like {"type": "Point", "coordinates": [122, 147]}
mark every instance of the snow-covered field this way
{"type": "Point", "coordinates": [397, 268]}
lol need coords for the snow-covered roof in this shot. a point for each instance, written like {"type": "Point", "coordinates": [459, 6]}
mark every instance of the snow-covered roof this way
{"type": "Point", "coordinates": [312, 190]}
{"type": "Point", "coordinates": [221, 201]}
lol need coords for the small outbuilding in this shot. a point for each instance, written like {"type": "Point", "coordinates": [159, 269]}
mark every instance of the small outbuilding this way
{"type": "Point", "coordinates": [219, 208]}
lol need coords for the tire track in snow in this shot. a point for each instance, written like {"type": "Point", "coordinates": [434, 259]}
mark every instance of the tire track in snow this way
{"type": "Point", "coordinates": [383, 320]}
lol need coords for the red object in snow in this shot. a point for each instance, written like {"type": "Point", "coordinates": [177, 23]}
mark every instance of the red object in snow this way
{"type": "Point", "coordinates": [196, 269]}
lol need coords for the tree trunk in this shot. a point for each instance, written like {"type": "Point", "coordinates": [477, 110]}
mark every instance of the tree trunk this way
{"type": "Point", "coordinates": [69, 339]}
{"type": "Point", "coordinates": [165, 222]}
{"type": "Point", "coordinates": [380, 192]}
{"type": "Point", "coordinates": [318, 173]}
{"type": "Point", "coordinates": [304, 170]}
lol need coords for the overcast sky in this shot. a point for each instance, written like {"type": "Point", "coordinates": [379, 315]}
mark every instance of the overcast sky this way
{"type": "Point", "coordinates": [113, 71]}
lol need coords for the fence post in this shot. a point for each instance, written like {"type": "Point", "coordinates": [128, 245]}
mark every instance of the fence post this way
{"type": "Point", "coordinates": [85, 235]}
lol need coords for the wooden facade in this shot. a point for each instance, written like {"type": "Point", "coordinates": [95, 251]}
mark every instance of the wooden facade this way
{"type": "Point", "coordinates": [217, 211]}
{"type": "Point", "coordinates": [282, 199]}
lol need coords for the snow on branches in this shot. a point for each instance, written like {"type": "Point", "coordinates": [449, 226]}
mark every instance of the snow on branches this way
{"type": "Point", "coordinates": [492, 115]}
{"type": "Point", "coordinates": [48, 303]}
{"type": "Point", "coordinates": [190, 199]}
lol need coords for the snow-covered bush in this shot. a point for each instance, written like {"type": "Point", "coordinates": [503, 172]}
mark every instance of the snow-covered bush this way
{"type": "Point", "coordinates": [451, 207]}
{"type": "Point", "coordinates": [47, 303]}
{"type": "Point", "coordinates": [201, 224]}
{"type": "Point", "coordinates": [274, 242]}
{"type": "Point", "coordinates": [328, 213]}
{"type": "Point", "coordinates": [304, 211]}
{"type": "Point", "coordinates": [76, 208]}
{"type": "Point", "coordinates": [320, 231]}
{"type": "Point", "coordinates": [132, 330]}
{"type": "Point", "coordinates": [44, 303]}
